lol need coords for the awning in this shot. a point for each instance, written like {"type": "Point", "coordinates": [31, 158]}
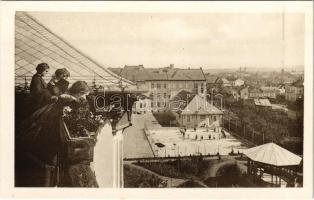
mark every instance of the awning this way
{"type": "Point", "coordinates": [272, 154]}
{"type": "Point", "coordinates": [34, 44]}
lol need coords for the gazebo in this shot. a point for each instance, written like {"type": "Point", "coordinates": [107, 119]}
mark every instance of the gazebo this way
{"type": "Point", "coordinates": [275, 160]}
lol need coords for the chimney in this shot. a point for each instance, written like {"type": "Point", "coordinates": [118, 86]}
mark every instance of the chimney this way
{"type": "Point", "coordinates": [171, 66]}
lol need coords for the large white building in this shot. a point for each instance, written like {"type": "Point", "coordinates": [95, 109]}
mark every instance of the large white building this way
{"type": "Point", "coordinates": [161, 84]}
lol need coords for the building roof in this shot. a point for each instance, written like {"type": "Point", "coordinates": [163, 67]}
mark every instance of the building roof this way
{"type": "Point", "coordinates": [269, 89]}
{"type": "Point", "coordinates": [133, 73]}
{"type": "Point", "coordinates": [181, 100]}
{"type": "Point", "coordinates": [254, 90]}
{"type": "Point", "coordinates": [199, 105]}
{"type": "Point", "coordinates": [34, 44]}
{"type": "Point", "coordinates": [262, 102]}
{"type": "Point", "coordinates": [298, 83]}
{"type": "Point", "coordinates": [231, 78]}
{"type": "Point", "coordinates": [242, 87]}
{"type": "Point", "coordinates": [139, 73]}
{"type": "Point", "coordinates": [239, 79]}
{"type": "Point", "coordinates": [211, 79]}
{"type": "Point", "coordinates": [272, 154]}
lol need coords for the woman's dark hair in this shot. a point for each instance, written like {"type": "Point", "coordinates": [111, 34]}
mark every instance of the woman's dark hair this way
{"type": "Point", "coordinates": [62, 71]}
{"type": "Point", "coordinates": [79, 86]}
{"type": "Point", "coordinates": [42, 67]}
{"type": "Point", "coordinates": [66, 72]}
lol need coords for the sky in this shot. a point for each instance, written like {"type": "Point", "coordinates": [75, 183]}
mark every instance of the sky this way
{"type": "Point", "coordinates": [222, 40]}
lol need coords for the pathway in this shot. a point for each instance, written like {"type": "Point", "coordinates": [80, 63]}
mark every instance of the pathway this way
{"type": "Point", "coordinates": [135, 142]}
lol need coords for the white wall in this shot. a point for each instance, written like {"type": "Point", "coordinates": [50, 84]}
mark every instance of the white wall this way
{"type": "Point", "coordinates": [103, 157]}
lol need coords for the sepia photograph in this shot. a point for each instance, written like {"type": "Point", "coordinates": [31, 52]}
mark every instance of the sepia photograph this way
{"type": "Point", "coordinates": [160, 99]}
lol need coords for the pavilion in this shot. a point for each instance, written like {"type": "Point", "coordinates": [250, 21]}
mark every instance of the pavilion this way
{"type": "Point", "coordinates": [280, 163]}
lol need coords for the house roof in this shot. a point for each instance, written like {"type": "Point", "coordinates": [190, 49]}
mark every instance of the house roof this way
{"type": "Point", "coordinates": [272, 154]}
{"type": "Point", "coordinates": [239, 79]}
{"type": "Point", "coordinates": [254, 90]}
{"type": "Point", "coordinates": [242, 87]}
{"type": "Point", "coordinates": [222, 80]}
{"type": "Point", "coordinates": [231, 78]}
{"type": "Point", "coordinates": [262, 102]}
{"type": "Point", "coordinates": [133, 73]}
{"type": "Point", "coordinates": [210, 78]}
{"type": "Point", "coordinates": [269, 89]}
{"type": "Point", "coordinates": [298, 83]}
{"type": "Point", "coordinates": [199, 105]}
{"type": "Point", "coordinates": [181, 100]}
{"type": "Point", "coordinates": [34, 44]}
{"type": "Point", "coordinates": [139, 73]}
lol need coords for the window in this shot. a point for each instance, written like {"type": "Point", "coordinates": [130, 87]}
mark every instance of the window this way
{"type": "Point", "coordinates": [152, 104]}
{"type": "Point", "coordinates": [188, 119]}
{"type": "Point", "coordinates": [140, 105]}
{"type": "Point", "coordinates": [165, 86]}
{"type": "Point", "coordinates": [202, 88]}
{"type": "Point", "coordinates": [202, 117]}
{"type": "Point", "coordinates": [158, 104]}
{"type": "Point", "coordinates": [165, 95]}
{"type": "Point", "coordinates": [158, 86]}
{"type": "Point", "coordinates": [195, 85]}
{"type": "Point", "coordinates": [153, 85]}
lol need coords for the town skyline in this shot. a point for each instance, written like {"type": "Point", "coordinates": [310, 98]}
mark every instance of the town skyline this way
{"type": "Point", "coordinates": [186, 40]}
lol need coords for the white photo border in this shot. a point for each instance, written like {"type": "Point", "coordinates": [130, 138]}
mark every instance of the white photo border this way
{"type": "Point", "coordinates": [7, 12]}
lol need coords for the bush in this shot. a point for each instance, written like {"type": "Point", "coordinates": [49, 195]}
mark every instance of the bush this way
{"type": "Point", "coordinates": [135, 178]}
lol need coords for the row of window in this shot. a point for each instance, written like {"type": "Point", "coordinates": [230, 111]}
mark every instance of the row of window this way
{"type": "Point", "coordinates": [202, 117]}
{"type": "Point", "coordinates": [159, 95]}
{"type": "Point", "coordinates": [176, 85]}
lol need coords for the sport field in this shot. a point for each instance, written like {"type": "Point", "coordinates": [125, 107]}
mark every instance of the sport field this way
{"type": "Point", "coordinates": [193, 143]}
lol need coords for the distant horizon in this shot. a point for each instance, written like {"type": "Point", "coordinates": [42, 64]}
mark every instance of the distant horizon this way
{"type": "Point", "coordinates": [295, 67]}
{"type": "Point", "coordinates": [207, 40]}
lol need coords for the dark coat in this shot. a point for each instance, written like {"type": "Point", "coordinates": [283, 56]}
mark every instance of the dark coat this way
{"type": "Point", "coordinates": [40, 95]}
{"type": "Point", "coordinates": [42, 143]}
{"type": "Point", "coordinates": [58, 88]}
{"type": "Point", "coordinates": [39, 143]}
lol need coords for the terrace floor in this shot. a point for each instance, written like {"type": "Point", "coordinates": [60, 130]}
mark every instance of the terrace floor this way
{"type": "Point", "coordinates": [135, 143]}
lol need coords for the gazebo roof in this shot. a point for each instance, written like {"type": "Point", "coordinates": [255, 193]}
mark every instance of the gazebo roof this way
{"type": "Point", "coordinates": [273, 154]}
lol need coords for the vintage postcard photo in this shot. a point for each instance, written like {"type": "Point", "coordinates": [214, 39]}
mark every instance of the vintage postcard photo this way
{"type": "Point", "coordinates": [160, 99]}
